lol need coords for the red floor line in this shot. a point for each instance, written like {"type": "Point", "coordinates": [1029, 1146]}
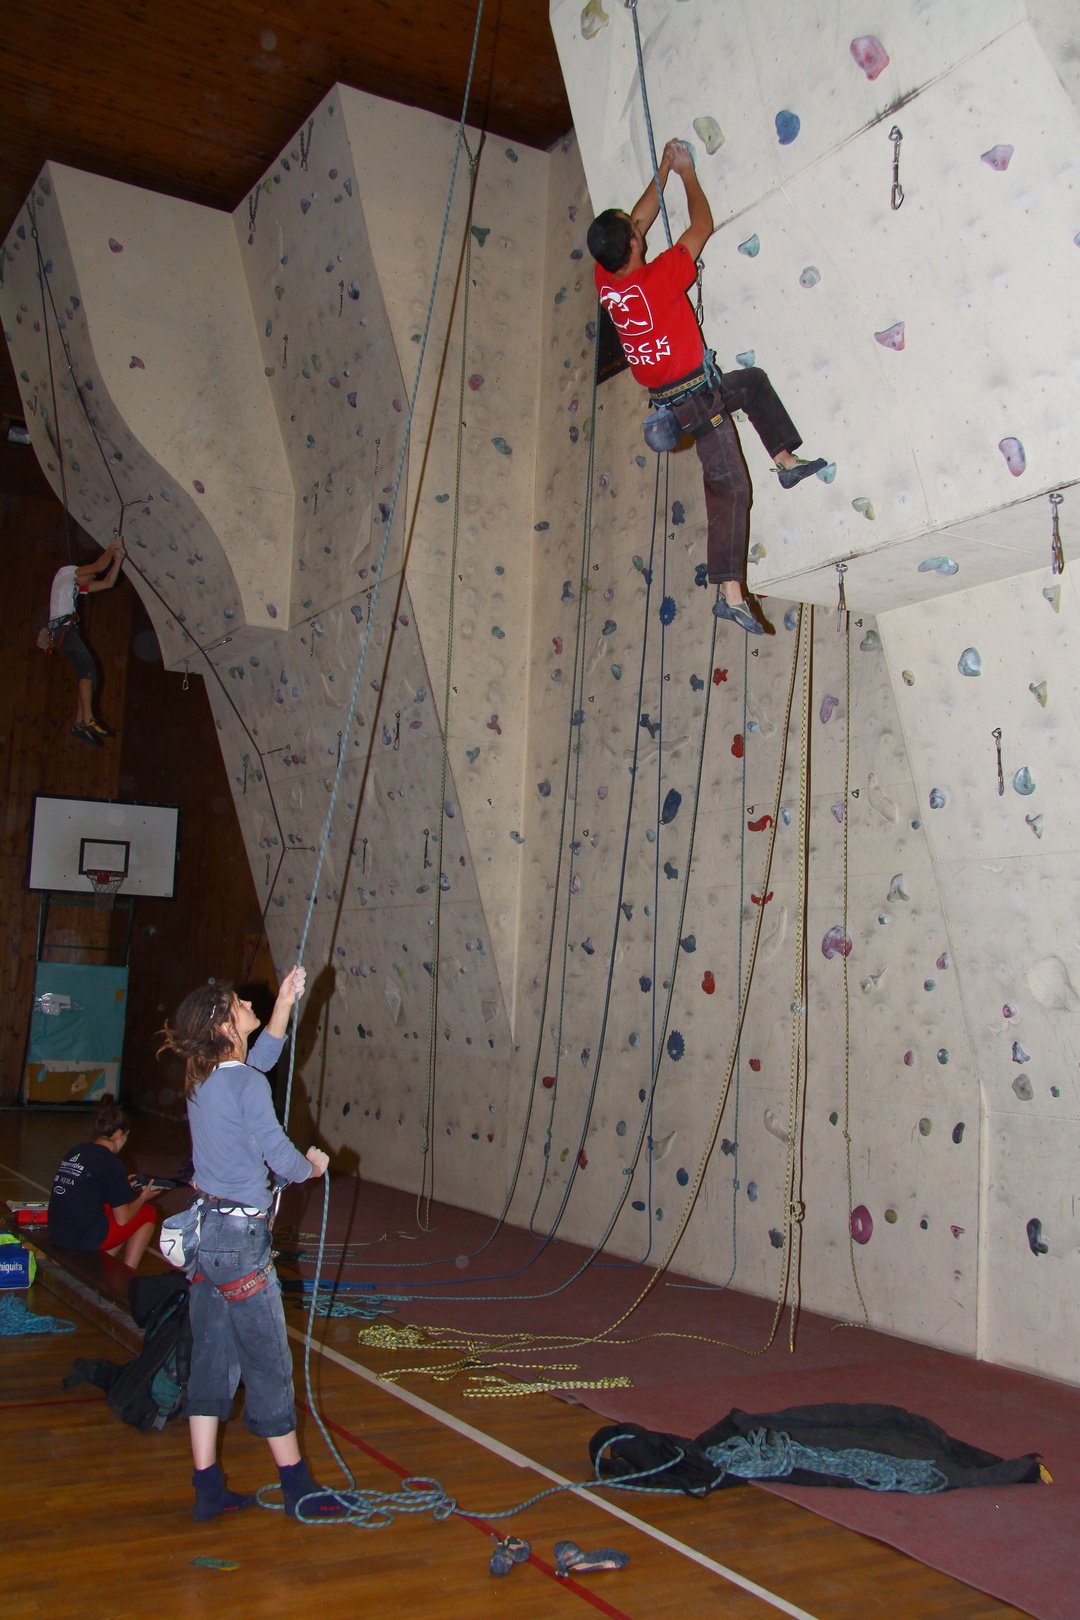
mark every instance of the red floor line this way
{"type": "Point", "coordinates": [485, 1529]}
{"type": "Point", "coordinates": [77, 1400]}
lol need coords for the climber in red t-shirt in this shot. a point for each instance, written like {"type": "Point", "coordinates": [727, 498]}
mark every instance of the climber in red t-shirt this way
{"type": "Point", "coordinates": [663, 343]}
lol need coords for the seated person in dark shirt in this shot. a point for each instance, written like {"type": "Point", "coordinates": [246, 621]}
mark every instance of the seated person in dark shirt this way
{"type": "Point", "coordinates": [93, 1205]}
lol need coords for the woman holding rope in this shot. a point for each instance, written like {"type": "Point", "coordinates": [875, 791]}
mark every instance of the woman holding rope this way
{"type": "Point", "coordinates": [237, 1320]}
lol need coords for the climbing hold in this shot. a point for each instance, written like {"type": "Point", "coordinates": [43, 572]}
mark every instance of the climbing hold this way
{"type": "Point", "coordinates": [827, 473]}
{"type": "Point", "coordinates": [709, 131]}
{"type": "Point", "coordinates": [610, 627]}
{"type": "Point", "coordinates": [774, 1126]}
{"type": "Point", "coordinates": [737, 745]}
{"type": "Point", "coordinates": [788, 125]}
{"type": "Point", "coordinates": [502, 447]}
{"type": "Point", "coordinates": [907, 677]}
{"type": "Point", "coordinates": [942, 962]}
{"type": "Point", "coordinates": [560, 296]}
{"type": "Point", "coordinates": [760, 824]}
{"type": "Point", "coordinates": [697, 684]}
{"type": "Point", "coordinates": [708, 982]}
{"type": "Point", "coordinates": [682, 1177]}
{"type": "Point", "coordinates": [1010, 1011]}
{"type": "Point", "coordinates": [1023, 1088]}
{"type": "Point", "coordinates": [645, 983]}
{"type": "Point", "coordinates": [671, 807]}
{"type": "Point", "coordinates": [969, 662]}
{"type": "Point", "coordinates": [1036, 824]}
{"type": "Point", "coordinates": [1023, 781]}
{"type": "Point", "coordinates": [871, 642]}
{"type": "Point", "coordinates": [476, 382]}
{"type": "Point", "coordinates": [271, 611]}
{"type": "Point", "coordinates": [1052, 594]}
{"type": "Point", "coordinates": [676, 1046]}
{"type": "Point", "coordinates": [925, 1127]}
{"type": "Point", "coordinates": [835, 942]}
{"type": "Point", "coordinates": [892, 337]}
{"type": "Point", "coordinates": [638, 1204]}
{"type": "Point", "coordinates": [751, 1191]}
{"type": "Point", "coordinates": [667, 611]}
{"type": "Point", "coordinates": [616, 670]}
{"type": "Point", "coordinates": [1038, 691]}
{"type": "Point", "coordinates": [678, 513]}
{"type": "Point", "coordinates": [810, 276]}
{"type": "Point", "coordinates": [588, 947]}
{"type": "Point", "coordinates": [938, 798]}
{"type": "Point", "coordinates": [115, 246]}
{"type": "Point", "coordinates": [910, 1059]}
{"type": "Point", "coordinates": [1036, 1243]}
{"type": "Point", "coordinates": [516, 836]}
{"type": "Point", "coordinates": [480, 232]}
{"type": "Point", "coordinates": [870, 54]}
{"type": "Point", "coordinates": [500, 635]}
{"type": "Point", "coordinates": [862, 1224]}
{"type": "Point", "coordinates": [593, 18]}
{"type": "Point", "coordinates": [544, 789]}
{"type": "Point", "coordinates": [748, 356]}
{"type": "Point", "coordinates": [776, 1238]}
{"type": "Point", "coordinates": [897, 890]}
{"type": "Point", "coordinates": [863, 504]}
{"type": "Point", "coordinates": [583, 1160]}
{"type": "Point", "coordinates": [998, 157]}
{"type": "Point", "coordinates": [472, 755]}
{"type": "Point", "coordinates": [635, 1041]}
{"type": "Point", "coordinates": [939, 565]}
{"type": "Point", "coordinates": [574, 435]}
{"type": "Point", "coordinates": [689, 944]}
{"type": "Point", "coordinates": [671, 872]}
{"type": "Point", "coordinates": [1018, 1053]}
{"type": "Point", "coordinates": [751, 247]}
{"type": "Point", "coordinates": [958, 1133]}
{"type": "Point", "coordinates": [548, 1082]}
{"type": "Point", "coordinates": [829, 706]}
{"type": "Point", "coordinates": [1015, 459]}
{"type": "Point", "coordinates": [943, 1055]}
{"type": "Point", "coordinates": [891, 1216]}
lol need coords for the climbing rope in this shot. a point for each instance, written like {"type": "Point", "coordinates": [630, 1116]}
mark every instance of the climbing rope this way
{"type": "Point", "coordinates": [632, 5]}
{"type": "Point", "coordinates": [766, 1455]}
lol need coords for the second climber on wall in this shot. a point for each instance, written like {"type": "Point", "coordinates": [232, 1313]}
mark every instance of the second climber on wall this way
{"type": "Point", "coordinates": [662, 341]}
{"type": "Point", "coordinates": [61, 634]}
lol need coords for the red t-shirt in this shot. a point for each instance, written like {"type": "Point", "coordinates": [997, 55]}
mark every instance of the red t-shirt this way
{"type": "Point", "coordinates": [654, 318]}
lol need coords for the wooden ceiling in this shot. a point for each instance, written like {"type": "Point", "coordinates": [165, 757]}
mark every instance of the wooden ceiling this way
{"type": "Point", "coordinates": [197, 97]}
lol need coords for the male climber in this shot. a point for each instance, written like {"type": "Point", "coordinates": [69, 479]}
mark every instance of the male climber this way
{"type": "Point", "coordinates": [663, 343]}
{"type": "Point", "coordinates": [62, 633]}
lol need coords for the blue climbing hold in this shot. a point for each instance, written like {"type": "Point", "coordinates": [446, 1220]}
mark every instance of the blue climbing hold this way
{"type": "Point", "coordinates": [701, 574]}
{"type": "Point", "coordinates": [747, 358]}
{"type": "Point", "coordinates": [671, 872]}
{"type": "Point", "coordinates": [791, 619]}
{"type": "Point", "coordinates": [668, 611]}
{"type": "Point", "coordinates": [751, 1191]}
{"type": "Point", "coordinates": [696, 683]}
{"type": "Point", "coordinates": [639, 1205]}
{"type": "Point", "coordinates": [1023, 781]}
{"type": "Point", "coordinates": [1036, 1242]}
{"type": "Point", "coordinates": [544, 789]}
{"type": "Point", "coordinates": [671, 808]}
{"type": "Point", "coordinates": [645, 982]}
{"type": "Point", "coordinates": [682, 1177]}
{"type": "Point", "coordinates": [751, 247]}
{"type": "Point", "coordinates": [788, 125]}
{"type": "Point", "coordinates": [689, 944]}
{"type": "Point", "coordinates": [610, 627]}
{"type": "Point", "coordinates": [969, 662]}
{"type": "Point", "coordinates": [676, 1046]}
{"type": "Point", "coordinates": [678, 512]}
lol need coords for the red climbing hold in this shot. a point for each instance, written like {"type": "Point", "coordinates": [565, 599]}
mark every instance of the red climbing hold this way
{"type": "Point", "coordinates": [548, 1082]}
{"type": "Point", "coordinates": [760, 824]}
{"type": "Point", "coordinates": [583, 1159]}
{"type": "Point", "coordinates": [491, 1136]}
{"type": "Point", "coordinates": [719, 676]}
{"type": "Point", "coordinates": [755, 1064]}
{"type": "Point", "coordinates": [737, 745]}
{"type": "Point", "coordinates": [708, 983]}
{"type": "Point", "coordinates": [758, 901]}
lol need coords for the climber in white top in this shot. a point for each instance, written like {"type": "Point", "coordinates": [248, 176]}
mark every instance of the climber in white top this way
{"type": "Point", "coordinates": [62, 633]}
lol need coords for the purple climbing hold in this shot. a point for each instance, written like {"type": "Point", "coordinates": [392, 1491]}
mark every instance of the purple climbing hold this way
{"type": "Point", "coordinates": [476, 381]}
{"type": "Point", "coordinates": [838, 812]}
{"type": "Point", "coordinates": [357, 613]}
{"type": "Point", "coordinates": [892, 337]}
{"type": "Point", "coordinates": [115, 246]}
{"type": "Point", "coordinates": [1015, 459]}
{"type": "Point", "coordinates": [198, 486]}
{"type": "Point", "coordinates": [829, 706]}
{"type": "Point", "coordinates": [870, 54]}
{"type": "Point", "coordinates": [271, 611]}
{"type": "Point", "coordinates": [135, 364]}
{"type": "Point", "coordinates": [835, 942]}
{"type": "Point", "coordinates": [862, 1224]}
{"type": "Point", "coordinates": [998, 157]}
{"type": "Point", "coordinates": [1018, 1053]}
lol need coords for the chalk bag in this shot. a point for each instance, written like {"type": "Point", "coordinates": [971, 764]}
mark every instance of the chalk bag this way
{"type": "Point", "coordinates": [662, 430]}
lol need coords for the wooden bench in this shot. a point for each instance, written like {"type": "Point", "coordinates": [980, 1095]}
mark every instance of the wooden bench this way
{"type": "Point", "coordinates": [95, 1283]}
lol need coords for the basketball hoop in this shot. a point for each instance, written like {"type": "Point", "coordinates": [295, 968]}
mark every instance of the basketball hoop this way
{"type": "Point", "coordinates": [105, 885]}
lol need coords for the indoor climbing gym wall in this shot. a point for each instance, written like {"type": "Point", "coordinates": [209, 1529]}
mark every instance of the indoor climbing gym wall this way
{"type": "Point", "coordinates": [745, 954]}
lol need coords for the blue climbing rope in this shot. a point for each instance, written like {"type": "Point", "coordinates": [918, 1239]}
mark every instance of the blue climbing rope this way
{"type": "Point", "coordinates": [632, 4]}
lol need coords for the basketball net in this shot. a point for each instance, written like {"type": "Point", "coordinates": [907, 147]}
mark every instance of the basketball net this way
{"type": "Point", "coordinates": [105, 885]}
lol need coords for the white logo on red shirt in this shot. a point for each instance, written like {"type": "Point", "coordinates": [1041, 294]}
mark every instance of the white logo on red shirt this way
{"type": "Point", "coordinates": [629, 310]}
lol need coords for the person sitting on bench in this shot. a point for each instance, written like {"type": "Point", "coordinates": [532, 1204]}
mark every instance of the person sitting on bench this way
{"type": "Point", "coordinates": [93, 1205]}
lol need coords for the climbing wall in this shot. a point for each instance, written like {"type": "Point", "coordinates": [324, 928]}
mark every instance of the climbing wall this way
{"type": "Point", "coordinates": [928, 351]}
{"type": "Point", "coordinates": [649, 827]}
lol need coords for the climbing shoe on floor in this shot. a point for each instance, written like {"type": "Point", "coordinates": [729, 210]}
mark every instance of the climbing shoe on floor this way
{"type": "Point", "coordinates": [570, 1560]}
{"type": "Point", "coordinates": [508, 1552]}
{"type": "Point", "coordinates": [212, 1496]}
{"type": "Point", "coordinates": [790, 476]}
{"type": "Point", "coordinates": [84, 734]}
{"type": "Point", "coordinates": [739, 614]}
{"type": "Point", "coordinates": [297, 1485]}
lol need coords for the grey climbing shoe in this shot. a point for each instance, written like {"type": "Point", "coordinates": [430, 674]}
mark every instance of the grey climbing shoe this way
{"type": "Point", "coordinates": [738, 614]}
{"type": "Point", "coordinates": [790, 476]}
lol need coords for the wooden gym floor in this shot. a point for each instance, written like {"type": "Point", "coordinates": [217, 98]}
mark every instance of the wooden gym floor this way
{"type": "Point", "coordinates": [97, 1516]}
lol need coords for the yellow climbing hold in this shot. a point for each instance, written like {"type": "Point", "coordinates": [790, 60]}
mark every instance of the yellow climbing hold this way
{"type": "Point", "coordinates": [593, 18]}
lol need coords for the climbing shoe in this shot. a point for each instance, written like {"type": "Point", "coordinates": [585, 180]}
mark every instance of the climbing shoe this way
{"type": "Point", "coordinates": [570, 1560]}
{"type": "Point", "coordinates": [212, 1496]}
{"type": "Point", "coordinates": [84, 734]}
{"type": "Point", "coordinates": [99, 730]}
{"type": "Point", "coordinates": [508, 1552]}
{"type": "Point", "coordinates": [739, 614]}
{"type": "Point", "coordinates": [790, 476]}
{"type": "Point", "coordinates": [298, 1487]}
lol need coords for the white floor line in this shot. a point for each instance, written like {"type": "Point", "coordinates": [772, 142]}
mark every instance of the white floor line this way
{"type": "Point", "coordinates": [519, 1460]}
{"type": "Point", "coordinates": [20, 1177]}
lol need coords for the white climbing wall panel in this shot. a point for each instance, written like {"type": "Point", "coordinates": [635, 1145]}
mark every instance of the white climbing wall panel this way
{"type": "Point", "coordinates": [970, 288]}
{"type": "Point", "coordinates": [579, 933]}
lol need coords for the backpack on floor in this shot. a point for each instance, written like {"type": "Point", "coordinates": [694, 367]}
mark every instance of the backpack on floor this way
{"type": "Point", "coordinates": [149, 1391]}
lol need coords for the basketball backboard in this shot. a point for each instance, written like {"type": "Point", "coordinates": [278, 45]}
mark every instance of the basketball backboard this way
{"type": "Point", "coordinates": [71, 837]}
